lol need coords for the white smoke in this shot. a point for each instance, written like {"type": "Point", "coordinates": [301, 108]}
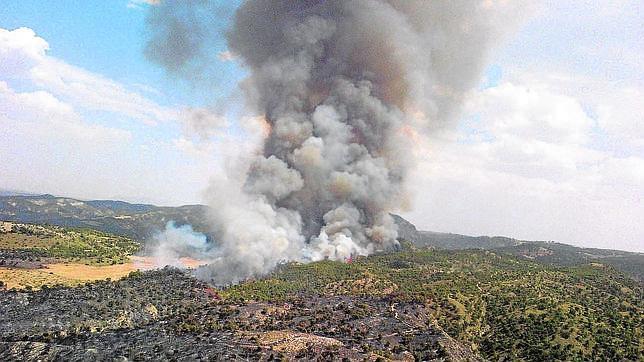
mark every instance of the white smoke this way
{"type": "Point", "coordinates": [202, 122]}
{"type": "Point", "coordinates": [174, 243]}
{"type": "Point", "coordinates": [342, 85]}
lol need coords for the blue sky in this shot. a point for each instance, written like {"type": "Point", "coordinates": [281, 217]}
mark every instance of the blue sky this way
{"type": "Point", "coordinates": [108, 37]}
{"type": "Point", "coordinates": [550, 145]}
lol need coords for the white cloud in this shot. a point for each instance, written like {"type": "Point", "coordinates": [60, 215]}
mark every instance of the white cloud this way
{"type": "Point", "coordinates": [138, 4]}
{"type": "Point", "coordinates": [45, 146]}
{"type": "Point", "coordinates": [23, 55]}
{"type": "Point", "coordinates": [51, 141]}
{"type": "Point", "coordinates": [41, 113]}
{"type": "Point", "coordinates": [20, 51]}
{"type": "Point", "coordinates": [532, 111]}
{"type": "Point", "coordinates": [537, 172]}
{"type": "Point", "coordinates": [621, 113]}
{"type": "Point", "coordinates": [196, 150]}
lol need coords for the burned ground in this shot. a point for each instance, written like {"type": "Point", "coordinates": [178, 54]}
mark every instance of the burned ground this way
{"type": "Point", "coordinates": [167, 314]}
{"type": "Point", "coordinates": [413, 304]}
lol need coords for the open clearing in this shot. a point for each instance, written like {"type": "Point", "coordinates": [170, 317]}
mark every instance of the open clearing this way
{"type": "Point", "coordinates": [35, 255]}
{"type": "Point", "coordinates": [73, 274]}
{"type": "Point", "coordinates": [33, 278]}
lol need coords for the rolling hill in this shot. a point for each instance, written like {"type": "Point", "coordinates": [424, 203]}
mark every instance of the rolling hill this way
{"type": "Point", "coordinates": [414, 304]}
{"type": "Point", "coordinates": [440, 297]}
{"type": "Point", "coordinates": [137, 221]}
{"type": "Point", "coordinates": [547, 252]}
{"type": "Point", "coordinates": [141, 221]}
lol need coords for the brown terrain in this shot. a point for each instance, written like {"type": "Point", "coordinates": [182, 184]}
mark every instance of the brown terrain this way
{"type": "Point", "coordinates": [73, 274]}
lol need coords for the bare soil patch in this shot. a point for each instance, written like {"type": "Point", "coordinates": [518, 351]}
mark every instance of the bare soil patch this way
{"type": "Point", "coordinates": [73, 274]}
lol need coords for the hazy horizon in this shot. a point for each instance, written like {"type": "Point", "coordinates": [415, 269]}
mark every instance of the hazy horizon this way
{"type": "Point", "coordinates": [4, 192]}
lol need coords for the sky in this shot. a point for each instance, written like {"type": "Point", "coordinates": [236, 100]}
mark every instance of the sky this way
{"type": "Point", "coordinates": [550, 146]}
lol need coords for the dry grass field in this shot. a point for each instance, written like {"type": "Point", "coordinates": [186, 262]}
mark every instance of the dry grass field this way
{"type": "Point", "coordinates": [33, 278]}
{"type": "Point", "coordinates": [35, 255]}
{"type": "Point", "coordinates": [85, 273]}
{"type": "Point", "coordinates": [73, 274]}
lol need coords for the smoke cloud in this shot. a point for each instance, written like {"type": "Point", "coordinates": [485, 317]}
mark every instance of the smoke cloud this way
{"type": "Point", "coordinates": [168, 246]}
{"type": "Point", "coordinates": [343, 87]}
{"type": "Point", "coordinates": [202, 122]}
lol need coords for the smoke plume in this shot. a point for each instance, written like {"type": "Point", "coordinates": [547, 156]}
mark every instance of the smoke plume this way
{"type": "Point", "coordinates": [344, 87]}
{"type": "Point", "coordinates": [174, 243]}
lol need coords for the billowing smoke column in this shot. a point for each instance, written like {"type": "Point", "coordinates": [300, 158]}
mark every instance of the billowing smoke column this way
{"type": "Point", "coordinates": [342, 86]}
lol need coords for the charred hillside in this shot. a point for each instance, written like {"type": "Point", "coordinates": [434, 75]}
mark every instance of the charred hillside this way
{"type": "Point", "coordinates": [422, 304]}
{"type": "Point", "coordinates": [167, 314]}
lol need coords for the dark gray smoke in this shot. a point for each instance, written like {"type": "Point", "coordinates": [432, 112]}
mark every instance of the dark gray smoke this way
{"type": "Point", "coordinates": [343, 86]}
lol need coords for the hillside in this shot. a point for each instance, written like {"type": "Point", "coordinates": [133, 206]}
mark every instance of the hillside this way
{"type": "Point", "coordinates": [422, 304]}
{"type": "Point", "coordinates": [138, 221]}
{"type": "Point", "coordinates": [167, 315]}
{"type": "Point", "coordinates": [32, 256]}
{"type": "Point", "coordinates": [498, 299]}
{"type": "Point", "coordinates": [502, 307]}
{"type": "Point", "coordinates": [29, 242]}
{"type": "Point", "coordinates": [547, 252]}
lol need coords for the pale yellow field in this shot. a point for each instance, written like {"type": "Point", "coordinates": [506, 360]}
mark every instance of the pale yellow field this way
{"type": "Point", "coordinates": [73, 274]}
{"type": "Point", "coordinates": [34, 278]}
{"type": "Point", "coordinates": [90, 272]}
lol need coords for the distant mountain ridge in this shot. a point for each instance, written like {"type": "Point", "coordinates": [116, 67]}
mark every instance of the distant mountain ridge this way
{"type": "Point", "coordinates": [141, 221]}
{"type": "Point", "coordinates": [4, 192]}
{"type": "Point", "coordinates": [138, 221]}
{"type": "Point", "coordinates": [547, 252]}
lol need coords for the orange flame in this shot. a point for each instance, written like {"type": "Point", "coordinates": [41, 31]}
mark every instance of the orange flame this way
{"type": "Point", "coordinates": [266, 127]}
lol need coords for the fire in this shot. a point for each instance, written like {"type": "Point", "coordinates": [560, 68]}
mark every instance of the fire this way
{"type": "Point", "coordinates": [410, 133]}
{"type": "Point", "coordinates": [265, 126]}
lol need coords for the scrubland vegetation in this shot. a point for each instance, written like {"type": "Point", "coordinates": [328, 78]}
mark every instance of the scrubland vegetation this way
{"type": "Point", "coordinates": [413, 303]}
{"type": "Point", "coordinates": [32, 256]}
{"type": "Point", "coordinates": [167, 315]}
{"type": "Point", "coordinates": [32, 242]}
{"type": "Point", "coordinates": [422, 304]}
{"type": "Point", "coordinates": [500, 306]}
